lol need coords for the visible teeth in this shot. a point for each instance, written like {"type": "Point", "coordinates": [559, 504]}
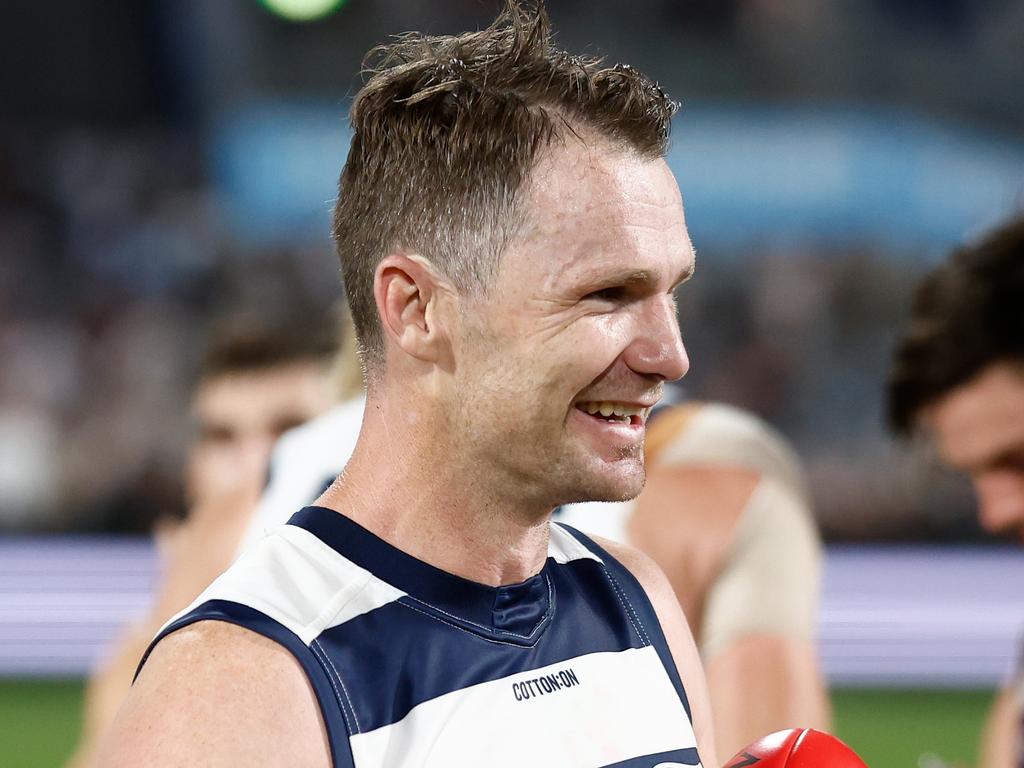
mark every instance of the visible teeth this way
{"type": "Point", "coordinates": [609, 409]}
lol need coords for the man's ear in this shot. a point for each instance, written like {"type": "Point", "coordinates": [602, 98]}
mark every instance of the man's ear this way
{"type": "Point", "coordinates": [411, 297]}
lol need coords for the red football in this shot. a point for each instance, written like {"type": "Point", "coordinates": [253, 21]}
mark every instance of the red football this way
{"type": "Point", "coordinates": [797, 748]}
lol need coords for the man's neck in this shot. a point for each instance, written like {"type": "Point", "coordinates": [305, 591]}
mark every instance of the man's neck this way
{"type": "Point", "coordinates": [402, 485]}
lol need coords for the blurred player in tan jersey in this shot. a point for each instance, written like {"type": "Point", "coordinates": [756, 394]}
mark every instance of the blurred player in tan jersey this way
{"type": "Point", "coordinates": [253, 386]}
{"type": "Point", "coordinates": [958, 374]}
{"type": "Point", "coordinates": [725, 514]}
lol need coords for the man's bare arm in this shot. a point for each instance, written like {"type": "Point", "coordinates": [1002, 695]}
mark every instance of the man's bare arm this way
{"type": "Point", "coordinates": [680, 642]}
{"type": "Point", "coordinates": [194, 553]}
{"type": "Point", "coordinates": [742, 555]}
{"type": "Point", "coordinates": [999, 738]}
{"type": "Point", "coordinates": [106, 691]}
{"type": "Point", "coordinates": [763, 683]}
{"type": "Point", "coordinates": [217, 694]}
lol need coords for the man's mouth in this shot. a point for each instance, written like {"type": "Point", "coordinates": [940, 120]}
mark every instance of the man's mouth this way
{"type": "Point", "coordinates": [615, 412]}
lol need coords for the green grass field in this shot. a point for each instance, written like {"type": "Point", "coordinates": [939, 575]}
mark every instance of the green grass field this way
{"type": "Point", "coordinates": [891, 729]}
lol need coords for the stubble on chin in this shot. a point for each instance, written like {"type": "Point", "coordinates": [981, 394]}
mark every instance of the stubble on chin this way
{"type": "Point", "coordinates": [631, 451]}
{"type": "Point", "coordinates": [619, 480]}
{"type": "Point", "coordinates": [632, 456]}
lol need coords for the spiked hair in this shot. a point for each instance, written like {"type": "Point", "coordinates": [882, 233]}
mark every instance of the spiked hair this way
{"type": "Point", "coordinates": [446, 131]}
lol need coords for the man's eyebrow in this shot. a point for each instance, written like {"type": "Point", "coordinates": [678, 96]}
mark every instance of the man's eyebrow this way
{"type": "Point", "coordinates": [687, 272]}
{"type": "Point", "coordinates": [643, 276]}
{"type": "Point", "coordinates": [627, 277]}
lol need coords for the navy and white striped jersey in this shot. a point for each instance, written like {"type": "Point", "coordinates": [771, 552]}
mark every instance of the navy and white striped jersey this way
{"type": "Point", "coordinates": [413, 666]}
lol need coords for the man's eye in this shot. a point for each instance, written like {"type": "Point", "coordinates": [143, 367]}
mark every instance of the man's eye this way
{"type": "Point", "coordinates": [1013, 462]}
{"type": "Point", "coordinates": [218, 435]}
{"type": "Point", "coordinates": [618, 293]}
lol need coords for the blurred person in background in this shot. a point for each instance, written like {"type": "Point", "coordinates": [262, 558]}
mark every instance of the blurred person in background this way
{"type": "Point", "coordinates": [958, 375]}
{"type": "Point", "coordinates": [255, 382]}
{"type": "Point", "coordinates": [725, 513]}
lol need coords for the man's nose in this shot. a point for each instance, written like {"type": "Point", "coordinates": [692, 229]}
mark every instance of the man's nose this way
{"type": "Point", "coordinates": [1000, 499]}
{"type": "Point", "coordinates": [657, 349]}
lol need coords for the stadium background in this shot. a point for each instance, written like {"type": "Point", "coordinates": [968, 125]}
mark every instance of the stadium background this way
{"type": "Point", "coordinates": [162, 160]}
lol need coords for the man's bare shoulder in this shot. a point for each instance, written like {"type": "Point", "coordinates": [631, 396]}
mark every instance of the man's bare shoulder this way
{"type": "Point", "coordinates": [646, 571]}
{"type": "Point", "coordinates": [655, 584]}
{"type": "Point", "coordinates": [677, 633]}
{"type": "Point", "coordinates": [215, 693]}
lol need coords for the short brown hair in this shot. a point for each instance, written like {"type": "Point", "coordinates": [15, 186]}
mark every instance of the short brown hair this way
{"type": "Point", "coordinates": [967, 314]}
{"type": "Point", "coordinates": [246, 343]}
{"type": "Point", "coordinates": [445, 132]}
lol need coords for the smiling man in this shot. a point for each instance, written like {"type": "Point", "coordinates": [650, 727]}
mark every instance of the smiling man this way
{"type": "Point", "coordinates": [958, 374]}
{"type": "Point", "coordinates": [511, 239]}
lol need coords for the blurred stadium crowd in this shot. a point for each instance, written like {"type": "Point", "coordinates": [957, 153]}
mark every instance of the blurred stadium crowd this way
{"type": "Point", "coordinates": [119, 246]}
{"type": "Point", "coordinates": [115, 265]}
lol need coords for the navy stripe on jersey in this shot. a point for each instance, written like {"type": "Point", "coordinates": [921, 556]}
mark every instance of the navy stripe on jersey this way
{"type": "Point", "coordinates": [406, 652]}
{"type": "Point", "coordinates": [688, 757]}
{"type": "Point", "coordinates": [637, 598]}
{"type": "Point", "coordinates": [335, 716]}
{"type": "Point", "coordinates": [513, 612]}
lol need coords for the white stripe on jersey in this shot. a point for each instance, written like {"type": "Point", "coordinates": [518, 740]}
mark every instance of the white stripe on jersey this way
{"type": "Point", "coordinates": [457, 730]}
{"type": "Point", "coordinates": [564, 547]}
{"type": "Point", "coordinates": [299, 581]}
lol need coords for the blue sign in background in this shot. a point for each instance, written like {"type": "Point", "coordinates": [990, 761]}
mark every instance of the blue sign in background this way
{"type": "Point", "coordinates": [749, 176]}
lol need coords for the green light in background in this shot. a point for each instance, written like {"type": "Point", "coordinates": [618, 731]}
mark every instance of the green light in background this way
{"type": "Point", "coordinates": [302, 10]}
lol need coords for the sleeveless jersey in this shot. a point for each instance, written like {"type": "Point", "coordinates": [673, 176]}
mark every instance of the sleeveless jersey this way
{"type": "Point", "coordinates": [751, 592]}
{"type": "Point", "coordinates": [413, 666]}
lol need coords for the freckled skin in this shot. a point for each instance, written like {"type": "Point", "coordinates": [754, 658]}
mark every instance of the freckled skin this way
{"type": "Point", "coordinates": [534, 344]}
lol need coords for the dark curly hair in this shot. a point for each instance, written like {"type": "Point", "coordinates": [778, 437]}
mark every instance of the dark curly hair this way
{"type": "Point", "coordinates": [967, 314]}
{"type": "Point", "coordinates": [445, 132]}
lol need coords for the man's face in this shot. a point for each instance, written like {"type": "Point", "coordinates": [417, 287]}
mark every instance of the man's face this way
{"type": "Point", "coordinates": [238, 417]}
{"type": "Point", "coordinates": [563, 357]}
{"type": "Point", "coordinates": [979, 428]}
